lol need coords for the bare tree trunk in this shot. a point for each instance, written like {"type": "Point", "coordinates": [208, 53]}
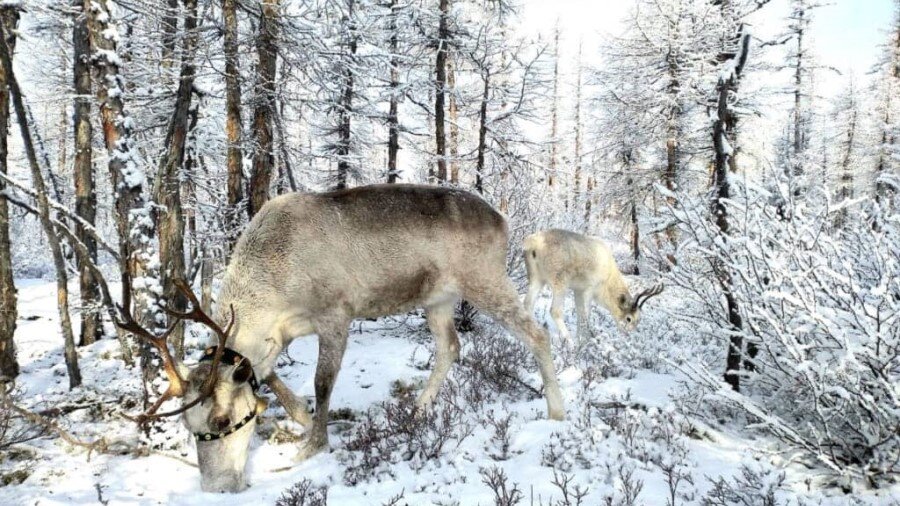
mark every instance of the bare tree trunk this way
{"type": "Point", "coordinates": [264, 112]}
{"type": "Point", "coordinates": [133, 224]}
{"type": "Point", "coordinates": [393, 122]}
{"type": "Point", "coordinates": [169, 29]}
{"type": "Point", "coordinates": [673, 154]}
{"type": "Point", "coordinates": [346, 110]}
{"type": "Point", "coordinates": [62, 289]}
{"type": "Point", "coordinates": [83, 170]}
{"type": "Point", "coordinates": [9, 366]}
{"type": "Point", "coordinates": [233, 125]}
{"type": "Point", "coordinates": [888, 135]}
{"type": "Point", "coordinates": [62, 140]}
{"type": "Point", "coordinates": [576, 183]}
{"type": "Point", "coordinates": [454, 125]}
{"type": "Point", "coordinates": [170, 216]}
{"type": "Point", "coordinates": [482, 131]}
{"type": "Point", "coordinates": [554, 111]}
{"type": "Point", "coordinates": [845, 191]}
{"type": "Point", "coordinates": [724, 140]}
{"type": "Point", "coordinates": [440, 85]}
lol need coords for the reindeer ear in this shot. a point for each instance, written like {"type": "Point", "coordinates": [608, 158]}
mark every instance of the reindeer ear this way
{"type": "Point", "coordinates": [242, 372]}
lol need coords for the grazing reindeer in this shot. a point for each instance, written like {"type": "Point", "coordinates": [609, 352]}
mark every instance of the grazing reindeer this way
{"type": "Point", "coordinates": [311, 263]}
{"type": "Point", "coordinates": [566, 260]}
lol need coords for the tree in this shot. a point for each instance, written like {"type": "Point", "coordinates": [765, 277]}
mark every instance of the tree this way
{"type": "Point", "coordinates": [888, 112]}
{"type": "Point", "coordinates": [348, 47]}
{"type": "Point", "coordinates": [440, 90]}
{"type": "Point", "coordinates": [554, 110]}
{"type": "Point", "coordinates": [233, 125]}
{"type": "Point", "coordinates": [734, 59]}
{"type": "Point", "coordinates": [47, 223]}
{"type": "Point", "coordinates": [650, 78]}
{"type": "Point", "coordinates": [9, 367]}
{"type": "Point", "coordinates": [134, 224]}
{"type": "Point", "coordinates": [847, 115]}
{"type": "Point", "coordinates": [83, 175]}
{"type": "Point", "coordinates": [170, 213]}
{"type": "Point", "coordinates": [395, 95]}
{"type": "Point", "coordinates": [265, 102]}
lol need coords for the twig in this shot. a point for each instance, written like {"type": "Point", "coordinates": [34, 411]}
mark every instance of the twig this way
{"type": "Point", "coordinates": [100, 445]}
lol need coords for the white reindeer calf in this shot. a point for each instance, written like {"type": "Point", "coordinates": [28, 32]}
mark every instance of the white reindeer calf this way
{"type": "Point", "coordinates": [567, 260]}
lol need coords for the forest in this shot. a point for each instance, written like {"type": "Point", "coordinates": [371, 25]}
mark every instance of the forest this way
{"type": "Point", "coordinates": [743, 194]}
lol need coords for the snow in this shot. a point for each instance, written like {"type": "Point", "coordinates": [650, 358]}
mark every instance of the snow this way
{"type": "Point", "coordinates": [379, 353]}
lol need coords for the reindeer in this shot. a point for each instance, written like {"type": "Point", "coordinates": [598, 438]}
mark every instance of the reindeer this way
{"type": "Point", "coordinates": [310, 264]}
{"type": "Point", "coordinates": [585, 264]}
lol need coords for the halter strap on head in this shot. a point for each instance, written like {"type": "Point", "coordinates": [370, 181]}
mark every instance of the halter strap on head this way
{"type": "Point", "coordinates": [231, 357]}
{"type": "Point", "coordinates": [212, 436]}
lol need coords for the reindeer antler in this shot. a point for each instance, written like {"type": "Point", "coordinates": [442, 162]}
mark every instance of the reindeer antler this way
{"type": "Point", "coordinates": [647, 294]}
{"type": "Point", "coordinates": [160, 342]}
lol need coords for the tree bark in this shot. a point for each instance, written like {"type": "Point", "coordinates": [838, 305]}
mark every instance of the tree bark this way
{"type": "Point", "coordinates": [454, 125]}
{"type": "Point", "coordinates": [59, 261]}
{"type": "Point", "coordinates": [264, 112]}
{"type": "Point", "coordinates": [9, 366]}
{"type": "Point", "coordinates": [233, 127]}
{"type": "Point", "coordinates": [133, 222]}
{"type": "Point", "coordinates": [576, 182]}
{"type": "Point", "coordinates": [440, 84]}
{"type": "Point", "coordinates": [724, 142]}
{"type": "Point", "coordinates": [83, 175]}
{"type": "Point", "coordinates": [169, 29]}
{"type": "Point", "coordinates": [393, 122]}
{"type": "Point", "coordinates": [554, 111]}
{"type": "Point", "coordinates": [170, 216]}
{"type": "Point", "coordinates": [346, 109]}
{"type": "Point", "coordinates": [482, 131]}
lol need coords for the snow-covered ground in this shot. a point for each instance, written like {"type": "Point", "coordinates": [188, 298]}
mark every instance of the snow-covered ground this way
{"type": "Point", "coordinates": [630, 423]}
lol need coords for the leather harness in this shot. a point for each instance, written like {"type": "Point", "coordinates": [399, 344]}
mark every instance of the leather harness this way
{"type": "Point", "coordinates": [232, 357]}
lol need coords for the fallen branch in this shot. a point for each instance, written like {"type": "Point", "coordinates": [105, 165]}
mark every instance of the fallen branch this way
{"type": "Point", "coordinates": [100, 445]}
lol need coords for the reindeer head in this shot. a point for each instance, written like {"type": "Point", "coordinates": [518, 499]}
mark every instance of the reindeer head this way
{"type": "Point", "coordinates": [218, 396]}
{"type": "Point", "coordinates": [628, 312]}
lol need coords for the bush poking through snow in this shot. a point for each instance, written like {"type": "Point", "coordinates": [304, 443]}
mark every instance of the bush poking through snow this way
{"type": "Point", "coordinates": [505, 493]}
{"type": "Point", "coordinates": [14, 428]}
{"type": "Point", "coordinates": [398, 431]}
{"type": "Point", "coordinates": [752, 487]}
{"type": "Point", "coordinates": [820, 311]}
{"type": "Point", "coordinates": [303, 493]}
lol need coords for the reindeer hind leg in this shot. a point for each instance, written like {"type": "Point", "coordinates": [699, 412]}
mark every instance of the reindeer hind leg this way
{"type": "Point", "coordinates": [446, 351]}
{"type": "Point", "coordinates": [498, 298]}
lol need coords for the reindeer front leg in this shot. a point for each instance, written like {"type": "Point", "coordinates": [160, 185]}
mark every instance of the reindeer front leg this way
{"type": "Point", "coordinates": [583, 311]}
{"type": "Point", "coordinates": [295, 406]}
{"type": "Point", "coordinates": [332, 343]}
{"type": "Point", "coordinates": [556, 312]}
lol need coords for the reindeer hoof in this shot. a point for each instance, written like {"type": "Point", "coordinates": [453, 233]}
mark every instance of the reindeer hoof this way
{"type": "Point", "coordinates": [309, 447]}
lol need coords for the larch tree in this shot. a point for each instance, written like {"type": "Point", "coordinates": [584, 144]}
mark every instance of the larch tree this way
{"type": "Point", "coordinates": [395, 95]}
{"type": "Point", "coordinates": [440, 89]}
{"type": "Point", "coordinates": [848, 145]}
{"type": "Point", "coordinates": [170, 211]}
{"type": "Point", "coordinates": [887, 103]}
{"type": "Point", "coordinates": [233, 126]}
{"type": "Point", "coordinates": [134, 224]}
{"type": "Point", "coordinates": [43, 211]}
{"type": "Point", "coordinates": [264, 104]}
{"type": "Point", "coordinates": [554, 111]}
{"type": "Point", "coordinates": [83, 176]}
{"type": "Point", "coordinates": [9, 366]}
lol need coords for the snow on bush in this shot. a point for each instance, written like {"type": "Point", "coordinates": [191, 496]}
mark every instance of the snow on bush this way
{"type": "Point", "coordinates": [820, 311]}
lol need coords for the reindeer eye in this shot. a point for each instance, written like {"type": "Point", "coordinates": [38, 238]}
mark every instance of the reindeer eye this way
{"type": "Point", "coordinates": [628, 319]}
